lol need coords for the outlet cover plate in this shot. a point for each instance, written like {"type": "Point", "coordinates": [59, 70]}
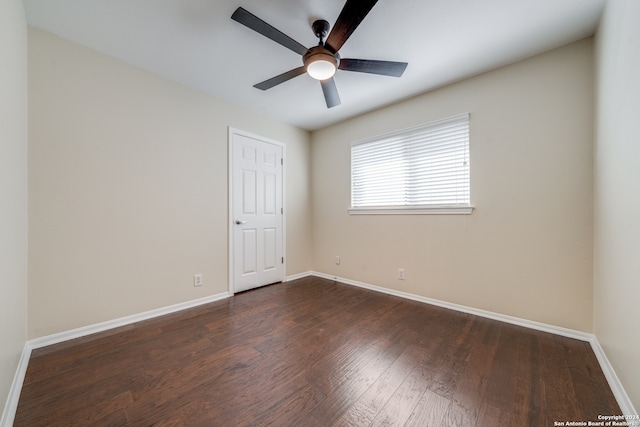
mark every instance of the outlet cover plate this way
{"type": "Point", "coordinates": [197, 280]}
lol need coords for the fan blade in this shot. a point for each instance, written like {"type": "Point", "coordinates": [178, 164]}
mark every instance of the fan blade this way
{"type": "Point", "coordinates": [351, 16]}
{"type": "Point", "coordinates": [274, 81]}
{"type": "Point", "coordinates": [385, 68]}
{"type": "Point", "coordinates": [330, 92]}
{"type": "Point", "coordinates": [258, 25]}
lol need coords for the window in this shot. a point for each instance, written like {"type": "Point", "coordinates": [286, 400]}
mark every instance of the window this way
{"type": "Point", "coordinates": [419, 170]}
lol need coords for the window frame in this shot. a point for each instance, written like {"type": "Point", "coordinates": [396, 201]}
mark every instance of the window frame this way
{"type": "Point", "coordinates": [425, 209]}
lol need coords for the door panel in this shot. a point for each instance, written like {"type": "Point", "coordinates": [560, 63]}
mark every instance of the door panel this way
{"type": "Point", "coordinates": [256, 211]}
{"type": "Point", "coordinates": [249, 251]}
{"type": "Point", "coordinates": [270, 198]}
{"type": "Point", "coordinates": [270, 249]}
{"type": "Point", "coordinates": [249, 192]}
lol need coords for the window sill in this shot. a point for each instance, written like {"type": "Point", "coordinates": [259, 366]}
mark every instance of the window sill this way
{"type": "Point", "coordinates": [404, 210]}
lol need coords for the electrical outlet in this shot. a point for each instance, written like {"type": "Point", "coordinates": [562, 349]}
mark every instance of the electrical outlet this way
{"type": "Point", "coordinates": [401, 273]}
{"type": "Point", "coordinates": [197, 280]}
{"type": "Point", "coordinates": [338, 260]}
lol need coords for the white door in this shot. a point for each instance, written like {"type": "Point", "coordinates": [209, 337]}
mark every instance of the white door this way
{"type": "Point", "coordinates": [256, 211]}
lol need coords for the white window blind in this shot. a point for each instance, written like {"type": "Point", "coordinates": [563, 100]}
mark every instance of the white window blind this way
{"type": "Point", "coordinates": [423, 167]}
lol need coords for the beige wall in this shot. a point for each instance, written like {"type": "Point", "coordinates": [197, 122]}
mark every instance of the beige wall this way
{"type": "Point", "coordinates": [526, 251]}
{"type": "Point", "coordinates": [13, 190]}
{"type": "Point", "coordinates": [617, 191]}
{"type": "Point", "coordinates": [128, 188]}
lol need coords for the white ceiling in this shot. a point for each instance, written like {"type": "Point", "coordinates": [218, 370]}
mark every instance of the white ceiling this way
{"type": "Point", "coordinates": [195, 42]}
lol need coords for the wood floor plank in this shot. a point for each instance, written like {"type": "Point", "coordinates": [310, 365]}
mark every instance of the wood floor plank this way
{"type": "Point", "coordinates": [314, 353]}
{"type": "Point", "coordinates": [365, 409]}
{"type": "Point", "coordinates": [430, 410]}
{"type": "Point", "coordinates": [585, 376]}
{"type": "Point", "coordinates": [466, 401]}
{"type": "Point", "coordinates": [501, 381]}
{"type": "Point", "coordinates": [398, 409]}
{"type": "Point", "coordinates": [292, 409]}
{"type": "Point", "coordinates": [347, 387]}
{"type": "Point", "coordinates": [491, 416]}
{"type": "Point", "coordinates": [557, 380]}
{"type": "Point", "coordinates": [530, 398]}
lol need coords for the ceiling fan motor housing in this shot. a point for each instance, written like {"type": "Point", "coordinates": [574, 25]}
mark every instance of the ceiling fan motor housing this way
{"type": "Point", "coordinates": [320, 53]}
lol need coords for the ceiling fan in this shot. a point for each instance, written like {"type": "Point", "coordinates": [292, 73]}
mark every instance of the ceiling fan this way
{"type": "Point", "coordinates": [322, 61]}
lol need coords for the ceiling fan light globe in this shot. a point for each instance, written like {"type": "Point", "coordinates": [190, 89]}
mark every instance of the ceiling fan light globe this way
{"type": "Point", "coordinates": [321, 69]}
{"type": "Point", "coordinates": [320, 63]}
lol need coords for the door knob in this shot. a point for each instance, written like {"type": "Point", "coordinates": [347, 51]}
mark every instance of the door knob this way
{"type": "Point", "coordinates": [240, 222]}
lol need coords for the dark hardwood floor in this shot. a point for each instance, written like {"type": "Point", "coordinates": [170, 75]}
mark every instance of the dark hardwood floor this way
{"type": "Point", "coordinates": [313, 352]}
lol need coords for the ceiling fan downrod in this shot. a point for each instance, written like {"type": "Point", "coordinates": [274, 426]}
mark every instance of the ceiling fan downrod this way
{"type": "Point", "coordinates": [320, 29]}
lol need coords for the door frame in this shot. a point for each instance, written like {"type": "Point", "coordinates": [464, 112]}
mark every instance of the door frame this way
{"type": "Point", "coordinates": [230, 224]}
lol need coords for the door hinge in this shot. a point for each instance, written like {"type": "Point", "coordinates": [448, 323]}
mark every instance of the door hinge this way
{"type": "Point", "coordinates": [281, 161]}
{"type": "Point", "coordinates": [283, 260]}
{"type": "Point", "coordinates": [281, 210]}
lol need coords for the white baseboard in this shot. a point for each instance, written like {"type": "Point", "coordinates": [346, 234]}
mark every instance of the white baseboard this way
{"type": "Point", "coordinates": [626, 406]}
{"type": "Point", "coordinates": [297, 276]}
{"type": "Point", "coordinates": [583, 336]}
{"type": "Point", "coordinates": [11, 405]}
{"type": "Point", "coordinates": [110, 324]}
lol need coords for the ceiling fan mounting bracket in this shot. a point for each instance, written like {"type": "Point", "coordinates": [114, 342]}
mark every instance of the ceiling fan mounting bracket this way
{"type": "Point", "coordinates": [320, 29]}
